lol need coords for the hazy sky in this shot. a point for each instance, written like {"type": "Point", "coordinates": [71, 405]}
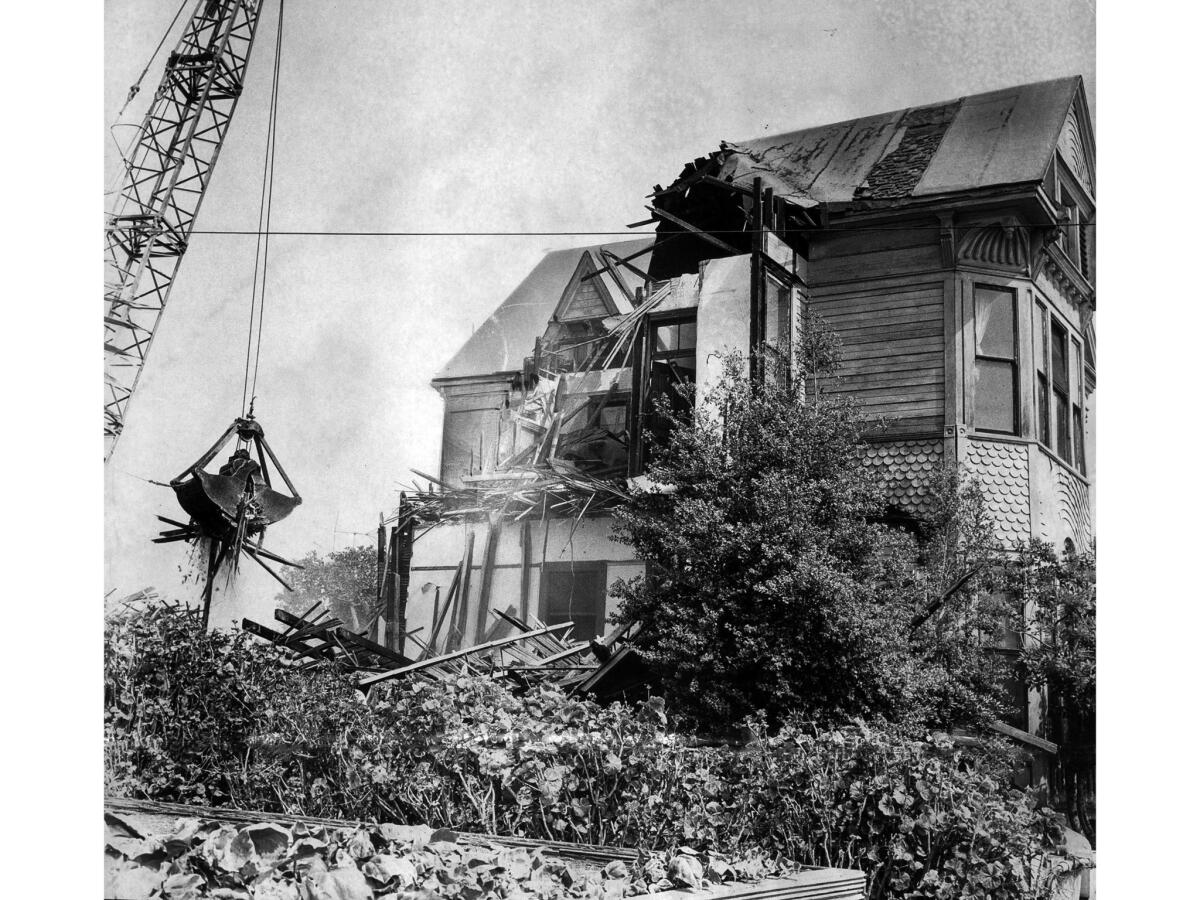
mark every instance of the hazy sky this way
{"type": "Point", "coordinates": [448, 116]}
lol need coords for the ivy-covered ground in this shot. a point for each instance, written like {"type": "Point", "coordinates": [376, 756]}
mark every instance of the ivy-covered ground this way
{"type": "Point", "coordinates": [266, 861]}
{"type": "Point", "coordinates": [216, 719]}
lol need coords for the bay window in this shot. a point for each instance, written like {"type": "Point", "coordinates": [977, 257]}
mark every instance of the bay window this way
{"type": "Point", "coordinates": [995, 359]}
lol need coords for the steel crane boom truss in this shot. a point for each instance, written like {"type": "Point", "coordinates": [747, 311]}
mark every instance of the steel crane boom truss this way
{"type": "Point", "coordinates": [166, 174]}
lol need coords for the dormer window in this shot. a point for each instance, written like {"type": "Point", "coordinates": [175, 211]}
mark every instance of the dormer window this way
{"type": "Point", "coordinates": [1076, 221]}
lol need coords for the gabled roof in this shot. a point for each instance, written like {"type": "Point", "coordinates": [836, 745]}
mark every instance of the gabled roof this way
{"type": "Point", "coordinates": [501, 344]}
{"type": "Point", "coordinates": [989, 140]}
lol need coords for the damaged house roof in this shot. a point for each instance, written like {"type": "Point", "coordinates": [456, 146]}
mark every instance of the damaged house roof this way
{"type": "Point", "coordinates": [986, 140]}
{"type": "Point", "coordinates": [501, 343]}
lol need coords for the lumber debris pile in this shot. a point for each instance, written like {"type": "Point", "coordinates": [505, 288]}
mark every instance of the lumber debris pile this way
{"type": "Point", "coordinates": [535, 654]}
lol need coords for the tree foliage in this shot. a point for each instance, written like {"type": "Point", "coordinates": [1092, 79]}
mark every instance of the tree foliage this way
{"type": "Point", "coordinates": [773, 584]}
{"type": "Point", "coordinates": [1055, 597]}
{"type": "Point", "coordinates": [343, 582]}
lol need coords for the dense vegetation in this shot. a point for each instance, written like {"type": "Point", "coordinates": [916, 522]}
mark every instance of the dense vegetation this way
{"type": "Point", "coordinates": [774, 582]}
{"type": "Point", "coordinates": [217, 719]}
{"type": "Point", "coordinates": [343, 582]}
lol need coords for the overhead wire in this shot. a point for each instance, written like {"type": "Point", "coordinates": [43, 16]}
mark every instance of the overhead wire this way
{"type": "Point", "coordinates": [857, 229]}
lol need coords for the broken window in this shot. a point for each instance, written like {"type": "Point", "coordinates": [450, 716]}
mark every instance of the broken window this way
{"type": "Point", "coordinates": [671, 373]}
{"type": "Point", "coordinates": [575, 592]}
{"type": "Point", "coordinates": [600, 443]}
{"type": "Point", "coordinates": [995, 360]}
{"type": "Point", "coordinates": [777, 327]}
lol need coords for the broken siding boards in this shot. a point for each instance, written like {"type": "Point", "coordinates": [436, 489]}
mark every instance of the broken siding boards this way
{"type": "Point", "coordinates": [893, 349]}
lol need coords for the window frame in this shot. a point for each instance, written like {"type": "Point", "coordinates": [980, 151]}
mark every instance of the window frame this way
{"type": "Point", "coordinates": [1014, 361]}
{"type": "Point", "coordinates": [1075, 238]}
{"type": "Point", "coordinates": [1072, 394]}
{"type": "Point", "coordinates": [643, 395]}
{"type": "Point", "coordinates": [1060, 394]}
{"type": "Point", "coordinates": [574, 567]}
{"type": "Point", "coordinates": [1042, 375]}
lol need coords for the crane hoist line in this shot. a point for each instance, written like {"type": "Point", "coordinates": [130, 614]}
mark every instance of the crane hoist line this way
{"type": "Point", "coordinates": [166, 172]}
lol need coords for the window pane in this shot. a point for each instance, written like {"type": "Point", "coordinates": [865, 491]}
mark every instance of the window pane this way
{"type": "Point", "coordinates": [1058, 358]}
{"type": "Point", "coordinates": [1077, 371]}
{"type": "Point", "coordinates": [612, 418]}
{"type": "Point", "coordinates": [1043, 400]}
{"type": "Point", "coordinates": [574, 595]}
{"type": "Point", "coordinates": [687, 336]}
{"type": "Point", "coordinates": [994, 318]}
{"type": "Point", "coordinates": [666, 338]}
{"type": "Point", "coordinates": [1077, 418]}
{"type": "Point", "coordinates": [1062, 421]}
{"type": "Point", "coordinates": [994, 402]}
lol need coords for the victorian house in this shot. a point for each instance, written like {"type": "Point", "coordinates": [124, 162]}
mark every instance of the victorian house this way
{"type": "Point", "coordinates": [950, 245]}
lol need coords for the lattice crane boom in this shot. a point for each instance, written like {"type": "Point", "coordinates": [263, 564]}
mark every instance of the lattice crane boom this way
{"type": "Point", "coordinates": [166, 174]}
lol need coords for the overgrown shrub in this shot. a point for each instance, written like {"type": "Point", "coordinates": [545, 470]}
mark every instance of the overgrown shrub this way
{"type": "Point", "coordinates": [772, 582]}
{"type": "Point", "coordinates": [214, 719]}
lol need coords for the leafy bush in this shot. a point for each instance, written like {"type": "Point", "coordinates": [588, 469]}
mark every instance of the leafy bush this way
{"type": "Point", "coordinates": [772, 583]}
{"type": "Point", "coordinates": [1055, 597]}
{"type": "Point", "coordinates": [214, 719]}
{"type": "Point", "coordinates": [342, 581]}
{"type": "Point", "coordinates": [209, 858]}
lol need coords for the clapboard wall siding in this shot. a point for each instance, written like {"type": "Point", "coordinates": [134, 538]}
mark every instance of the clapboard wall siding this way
{"type": "Point", "coordinates": [892, 334]}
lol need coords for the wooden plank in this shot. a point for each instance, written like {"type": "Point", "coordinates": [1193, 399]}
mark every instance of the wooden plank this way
{"type": "Point", "coordinates": [698, 232]}
{"type": "Point", "coordinates": [654, 245]}
{"type": "Point", "coordinates": [546, 645]}
{"type": "Point", "coordinates": [888, 262]}
{"type": "Point", "coordinates": [464, 590]}
{"type": "Point", "coordinates": [830, 245]}
{"type": "Point", "coordinates": [494, 630]}
{"type": "Point", "coordinates": [451, 599]}
{"type": "Point", "coordinates": [491, 539]}
{"type": "Point", "coordinates": [357, 640]}
{"type": "Point", "coordinates": [893, 377]}
{"type": "Point", "coordinates": [1023, 736]}
{"type": "Point", "coordinates": [846, 320]}
{"type": "Point", "coordinates": [526, 567]}
{"type": "Point", "coordinates": [882, 347]}
{"type": "Point", "coordinates": [270, 571]}
{"type": "Point", "coordinates": [276, 637]}
{"type": "Point", "coordinates": [890, 333]}
{"type": "Point", "coordinates": [867, 287]}
{"type": "Point", "coordinates": [871, 290]}
{"type": "Point", "coordinates": [303, 628]}
{"type": "Point", "coordinates": [459, 654]}
{"type": "Point", "coordinates": [897, 393]}
{"type": "Point", "coordinates": [883, 315]}
{"type": "Point", "coordinates": [908, 407]}
{"type": "Point", "coordinates": [907, 426]}
{"type": "Point", "coordinates": [928, 362]}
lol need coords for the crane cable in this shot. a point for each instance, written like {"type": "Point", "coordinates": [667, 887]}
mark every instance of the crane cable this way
{"type": "Point", "coordinates": [258, 294]}
{"type": "Point", "coordinates": [134, 88]}
{"type": "Point", "coordinates": [137, 85]}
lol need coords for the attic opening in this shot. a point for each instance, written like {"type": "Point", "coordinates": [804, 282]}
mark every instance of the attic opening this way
{"type": "Point", "coordinates": [705, 215]}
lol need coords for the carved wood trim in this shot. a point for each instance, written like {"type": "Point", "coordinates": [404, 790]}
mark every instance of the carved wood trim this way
{"type": "Point", "coordinates": [1001, 244]}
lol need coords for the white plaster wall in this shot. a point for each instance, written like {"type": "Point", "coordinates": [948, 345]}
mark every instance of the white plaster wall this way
{"type": "Point", "coordinates": [437, 554]}
{"type": "Point", "coordinates": [722, 316]}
